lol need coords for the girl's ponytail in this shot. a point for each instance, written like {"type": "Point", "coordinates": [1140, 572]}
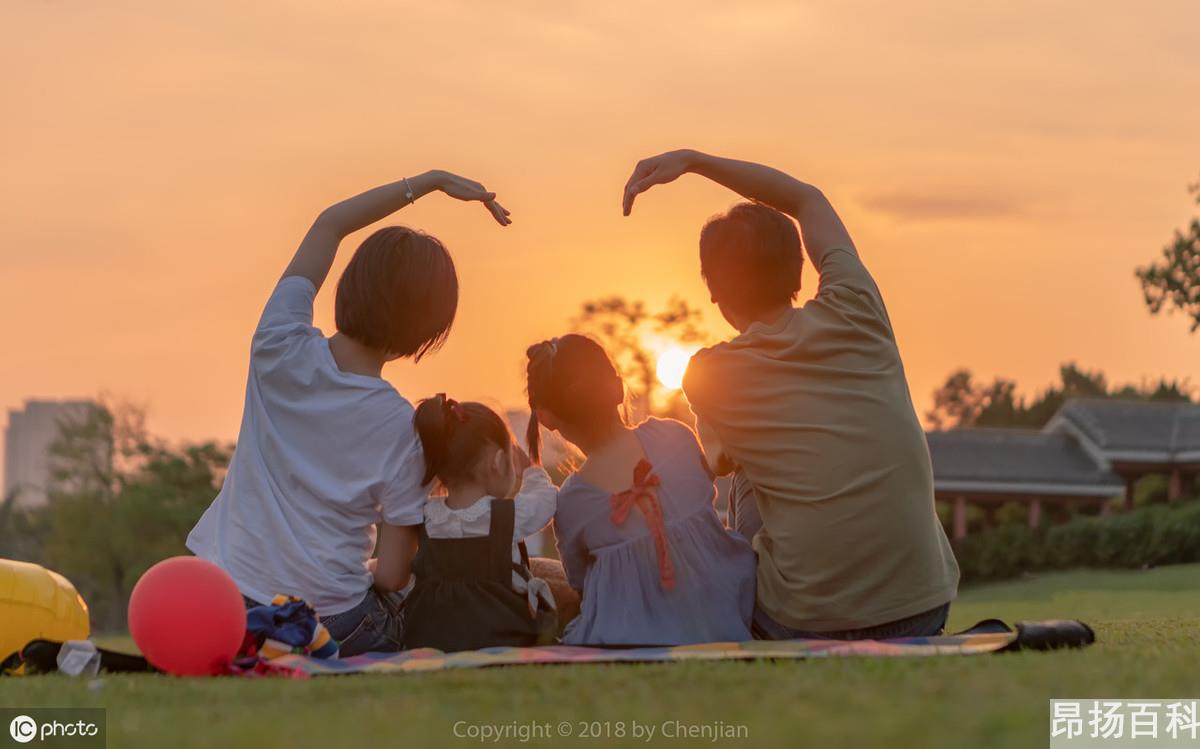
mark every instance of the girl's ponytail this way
{"type": "Point", "coordinates": [453, 436]}
{"type": "Point", "coordinates": [433, 430]}
{"type": "Point", "coordinates": [541, 361]}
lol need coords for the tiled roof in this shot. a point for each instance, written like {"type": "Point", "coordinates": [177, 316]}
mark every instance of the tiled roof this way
{"type": "Point", "coordinates": [1116, 426]}
{"type": "Point", "coordinates": [1016, 460]}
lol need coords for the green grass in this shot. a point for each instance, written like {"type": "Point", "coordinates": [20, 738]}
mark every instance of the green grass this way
{"type": "Point", "coordinates": [1147, 624]}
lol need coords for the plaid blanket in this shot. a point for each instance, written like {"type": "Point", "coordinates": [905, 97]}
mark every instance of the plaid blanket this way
{"type": "Point", "coordinates": [435, 660]}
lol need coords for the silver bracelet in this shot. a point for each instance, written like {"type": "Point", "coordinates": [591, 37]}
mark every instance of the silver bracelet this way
{"type": "Point", "coordinates": [408, 193]}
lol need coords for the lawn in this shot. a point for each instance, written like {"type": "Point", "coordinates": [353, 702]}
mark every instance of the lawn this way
{"type": "Point", "coordinates": [1147, 624]}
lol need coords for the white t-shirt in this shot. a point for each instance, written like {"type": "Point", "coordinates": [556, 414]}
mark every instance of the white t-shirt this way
{"type": "Point", "coordinates": [322, 456]}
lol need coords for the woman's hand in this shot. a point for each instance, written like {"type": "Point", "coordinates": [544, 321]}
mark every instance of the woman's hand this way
{"type": "Point", "coordinates": [462, 188]}
{"type": "Point", "coordinates": [656, 170]}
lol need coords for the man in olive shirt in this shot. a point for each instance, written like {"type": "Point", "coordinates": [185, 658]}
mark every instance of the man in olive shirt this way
{"type": "Point", "coordinates": [811, 407]}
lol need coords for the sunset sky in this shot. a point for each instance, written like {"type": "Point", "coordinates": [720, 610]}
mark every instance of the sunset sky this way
{"type": "Point", "coordinates": [1002, 166]}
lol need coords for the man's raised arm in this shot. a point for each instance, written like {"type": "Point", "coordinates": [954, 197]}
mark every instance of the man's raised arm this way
{"type": "Point", "coordinates": [820, 226]}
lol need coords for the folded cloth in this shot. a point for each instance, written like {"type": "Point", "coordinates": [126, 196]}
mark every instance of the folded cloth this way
{"type": "Point", "coordinates": [288, 625]}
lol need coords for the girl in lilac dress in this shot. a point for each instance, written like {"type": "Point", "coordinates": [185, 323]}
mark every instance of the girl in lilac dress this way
{"type": "Point", "coordinates": [637, 531]}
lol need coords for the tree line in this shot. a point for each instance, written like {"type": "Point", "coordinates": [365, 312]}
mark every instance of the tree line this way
{"type": "Point", "coordinates": [1169, 284]}
{"type": "Point", "coordinates": [119, 500]}
{"type": "Point", "coordinates": [963, 401]}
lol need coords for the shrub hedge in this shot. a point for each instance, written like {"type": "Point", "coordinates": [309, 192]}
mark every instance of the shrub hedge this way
{"type": "Point", "coordinates": [1146, 537]}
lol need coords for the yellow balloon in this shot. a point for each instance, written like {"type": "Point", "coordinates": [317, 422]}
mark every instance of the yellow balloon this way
{"type": "Point", "coordinates": [38, 604]}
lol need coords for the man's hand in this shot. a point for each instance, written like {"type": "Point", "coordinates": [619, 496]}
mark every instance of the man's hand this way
{"type": "Point", "coordinates": [466, 189]}
{"type": "Point", "coordinates": [820, 226]}
{"type": "Point", "coordinates": [656, 170]}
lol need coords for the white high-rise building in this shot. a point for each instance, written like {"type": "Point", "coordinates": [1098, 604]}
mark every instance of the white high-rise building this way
{"type": "Point", "coordinates": [27, 440]}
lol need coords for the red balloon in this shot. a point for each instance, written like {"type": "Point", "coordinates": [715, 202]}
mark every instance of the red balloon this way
{"type": "Point", "coordinates": [187, 617]}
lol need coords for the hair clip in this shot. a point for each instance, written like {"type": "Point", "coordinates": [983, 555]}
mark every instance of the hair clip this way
{"type": "Point", "coordinates": [455, 408]}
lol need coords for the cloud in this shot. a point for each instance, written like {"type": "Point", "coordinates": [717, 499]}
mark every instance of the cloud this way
{"type": "Point", "coordinates": [932, 206]}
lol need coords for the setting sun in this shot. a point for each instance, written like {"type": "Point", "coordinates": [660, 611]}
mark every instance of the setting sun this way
{"type": "Point", "coordinates": [672, 363]}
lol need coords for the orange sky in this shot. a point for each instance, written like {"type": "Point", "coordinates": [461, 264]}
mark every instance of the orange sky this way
{"type": "Point", "coordinates": [1002, 166]}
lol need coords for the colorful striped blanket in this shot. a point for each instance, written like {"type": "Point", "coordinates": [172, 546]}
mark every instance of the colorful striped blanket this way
{"type": "Point", "coordinates": [989, 636]}
{"type": "Point", "coordinates": [434, 660]}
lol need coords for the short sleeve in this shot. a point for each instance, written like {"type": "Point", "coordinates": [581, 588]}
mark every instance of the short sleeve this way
{"type": "Point", "coordinates": [843, 269]}
{"type": "Point", "coordinates": [534, 504]}
{"type": "Point", "coordinates": [700, 379]}
{"type": "Point", "coordinates": [403, 501]}
{"type": "Point", "coordinates": [679, 436]}
{"type": "Point", "coordinates": [289, 310]}
{"type": "Point", "coordinates": [846, 281]}
{"type": "Point", "coordinates": [568, 537]}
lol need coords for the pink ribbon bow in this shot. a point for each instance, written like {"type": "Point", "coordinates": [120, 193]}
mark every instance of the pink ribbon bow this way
{"type": "Point", "coordinates": [644, 494]}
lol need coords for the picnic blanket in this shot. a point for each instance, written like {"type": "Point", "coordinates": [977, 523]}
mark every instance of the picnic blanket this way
{"type": "Point", "coordinates": [986, 637]}
{"type": "Point", "coordinates": [989, 636]}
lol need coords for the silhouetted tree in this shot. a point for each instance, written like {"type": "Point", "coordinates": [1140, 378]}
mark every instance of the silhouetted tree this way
{"type": "Point", "coordinates": [624, 327]}
{"type": "Point", "coordinates": [963, 402]}
{"type": "Point", "coordinates": [120, 501]}
{"type": "Point", "coordinates": [1174, 281]}
{"type": "Point", "coordinates": [21, 530]}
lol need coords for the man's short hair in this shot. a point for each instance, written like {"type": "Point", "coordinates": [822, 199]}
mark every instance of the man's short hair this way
{"type": "Point", "coordinates": [750, 257]}
{"type": "Point", "coordinates": [399, 293]}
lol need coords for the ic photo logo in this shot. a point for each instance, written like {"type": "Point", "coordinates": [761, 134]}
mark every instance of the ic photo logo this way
{"type": "Point", "coordinates": [81, 727]}
{"type": "Point", "coordinates": [23, 729]}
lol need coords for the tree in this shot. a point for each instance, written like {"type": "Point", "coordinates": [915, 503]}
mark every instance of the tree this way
{"type": "Point", "coordinates": [1173, 283]}
{"type": "Point", "coordinates": [21, 530]}
{"type": "Point", "coordinates": [963, 402]}
{"type": "Point", "coordinates": [121, 500]}
{"type": "Point", "coordinates": [626, 328]}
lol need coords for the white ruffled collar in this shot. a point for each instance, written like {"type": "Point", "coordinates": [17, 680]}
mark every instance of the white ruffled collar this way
{"type": "Point", "coordinates": [438, 511]}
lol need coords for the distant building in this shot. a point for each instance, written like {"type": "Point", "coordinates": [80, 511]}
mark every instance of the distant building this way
{"type": "Point", "coordinates": [1137, 439]}
{"type": "Point", "coordinates": [27, 440]}
{"type": "Point", "coordinates": [1090, 452]}
{"type": "Point", "coordinates": [989, 468]}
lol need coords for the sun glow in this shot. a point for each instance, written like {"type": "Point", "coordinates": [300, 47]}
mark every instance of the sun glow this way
{"type": "Point", "coordinates": [672, 363]}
